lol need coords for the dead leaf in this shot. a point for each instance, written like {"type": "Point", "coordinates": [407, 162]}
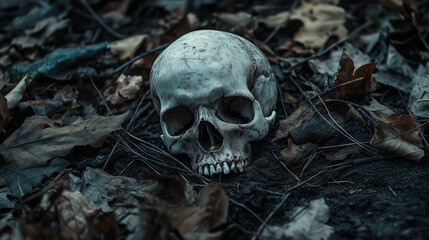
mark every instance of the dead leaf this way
{"type": "Point", "coordinates": [38, 140]}
{"type": "Point", "coordinates": [320, 21]}
{"type": "Point", "coordinates": [308, 223]}
{"type": "Point", "coordinates": [341, 154]}
{"type": "Point", "coordinates": [127, 48]}
{"type": "Point", "coordinates": [346, 73]}
{"type": "Point", "coordinates": [41, 32]}
{"type": "Point", "coordinates": [170, 204]}
{"type": "Point", "coordinates": [419, 98]}
{"type": "Point", "coordinates": [303, 113]}
{"type": "Point", "coordinates": [15, 95]}
{"type": "Point", "coordinates": [234, 19]}
{"type": "Point", "coordinates": [295, 154]}
{"type": "Point", "coordinates": [395, 134]}
{"type": "Point", "coordinates": [378, 111]}
{"type": "Point", "coordinates": [209, 212]}
{"type": "Point", "coordinates": [76, 213]}
{"type": "Point", "coordinates": [126, 89]}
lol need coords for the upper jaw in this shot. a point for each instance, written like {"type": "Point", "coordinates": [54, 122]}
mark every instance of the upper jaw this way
{"type": "Point", "coordinates": [210, 164]}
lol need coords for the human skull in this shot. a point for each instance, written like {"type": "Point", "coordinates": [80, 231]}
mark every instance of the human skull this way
{"type": "Point", "coordinates": [215, 92]}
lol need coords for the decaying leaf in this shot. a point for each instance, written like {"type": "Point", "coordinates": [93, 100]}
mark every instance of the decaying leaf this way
{"type": "Point", "coordinates": [126, 89]}
{"type": "Point", "coordinates": [20, 179]}
{"type": "Point", "coordinates": [320, 21]}
{"type": "Point", "coordinates": [303, 113]}
{"type": "Point", "coordinates": [346, 73]}
{"type": "Point", "coordinates": [397, 135]}
{"type": "Point", "coordinates": [341, 153]}
{"type": "Point", "coordinates": [209, 212]}
{"type": "Point", "coordinates": [171, 204]}
{"type": "Point", "coordinates": [308, 223]}
{"type": "Point", "coordinates": [127, 48]}
{"type": "Point", "coordinates": [15, 95]}
{"type": "Point", "coordinates": [76, 214]}
{"type": "Point", "coordinates": [378, 111]}
{"type": "Point", "coordinates": [295, 154]}
{"type": "Point", "coordinates": [39, 140]}
{"type": "Point", "coordinates": [419, 98]}
{"type": "Point", "coordinates": [234, 19]}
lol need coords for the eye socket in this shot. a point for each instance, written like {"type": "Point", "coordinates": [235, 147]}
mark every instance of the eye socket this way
{"type": "Point", "coordinates": [235, 110]}
{"type": "Point", "coordinates": [178, 120]}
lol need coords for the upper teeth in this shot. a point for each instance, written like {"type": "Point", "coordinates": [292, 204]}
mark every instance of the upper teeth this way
{"type": "Point", "coordinates": [224, 167]}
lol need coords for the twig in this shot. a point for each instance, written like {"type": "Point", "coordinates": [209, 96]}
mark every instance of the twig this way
{"type": "Point", "coordinates": [281, 97]}
{"type": "Point", "coordinates": [262, 226]}
{"type": "Point", "coordinates": [123, 66]}
{"type": "Point", "coordinates": [100, 21]}
{"type": "Point", "coordinates": [287, 169]}
{"type": "Point", "coordinates": [350, 36]}
{"type": "Point", "coordinates": [338, 86]}
{"type": "Point", "coordinates": [345, 134]}
{"type": "Point", "coordinates": [19, 186]}
{"type": "Point", "coordinates": [154, 148]}
{"type": "Point", "coordinates": [247, 209]}
{"type": "Point", "coordinates": [283, 23]}
{"type": "Point", "coordinates": [101, 95]}
{"type": "Point", "coordinates": [264, 223]}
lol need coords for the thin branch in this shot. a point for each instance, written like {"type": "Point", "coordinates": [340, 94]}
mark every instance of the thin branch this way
{"type": "Point", "coordinates": [125, 65]}
{"type": "Point", "coordinates": [100, 21]}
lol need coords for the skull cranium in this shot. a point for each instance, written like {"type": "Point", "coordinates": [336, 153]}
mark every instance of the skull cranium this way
{"type": "Point", "coordinates": [215, 93]}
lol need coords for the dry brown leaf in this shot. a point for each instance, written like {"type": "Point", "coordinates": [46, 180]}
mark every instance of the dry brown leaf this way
{"type": "Point", "coordinates": [303, 113]}
{"type": "Point", "coordinates": [209, 212]}
{"type": "Point", "coordinates": [127, 48]}
{"type": "Point", "coordinates": [39, 140]}
{"type": "Point", "coordinates": [127, 88]}
{"type": "Point", "coordinates": [4, 112]}
{"type": "Point", "coordinates": [309, 224]}
{"type": "Point", "coordinates": [320, 21]}
{"type": "Point", "coordinates": [76, 214]}
{"type": "Point", "coordinates": [234, 19]}
{"type": "Point", "coordinates": [397, 135]}
{"type": "Point", "coordinates": [341, 154]}
{"type": "Point", "coordinates": [295, 154]}
{"type": "Point", "coordinates": [15, 95]}
{"type": "Point", "coordinates": [346, 74]}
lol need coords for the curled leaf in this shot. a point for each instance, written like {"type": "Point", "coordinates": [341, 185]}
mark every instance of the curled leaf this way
{"type": "Point", "coordinates": [44, 141]}
{"type": "Point", "coordinates": [397, 135]}
{"type": "Point", "coordinates": [295, 154]}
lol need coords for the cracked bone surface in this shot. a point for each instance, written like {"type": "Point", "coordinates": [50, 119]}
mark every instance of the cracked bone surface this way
{"type": "Point", "coordinates": [215, 93]}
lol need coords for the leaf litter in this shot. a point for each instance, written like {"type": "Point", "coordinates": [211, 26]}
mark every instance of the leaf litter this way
{"type": "Point", "coordinates": [342, 124]}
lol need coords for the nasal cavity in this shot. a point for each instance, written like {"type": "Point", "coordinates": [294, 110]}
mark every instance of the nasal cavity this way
{"type": "Point", "coordinates": [209, 137]}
